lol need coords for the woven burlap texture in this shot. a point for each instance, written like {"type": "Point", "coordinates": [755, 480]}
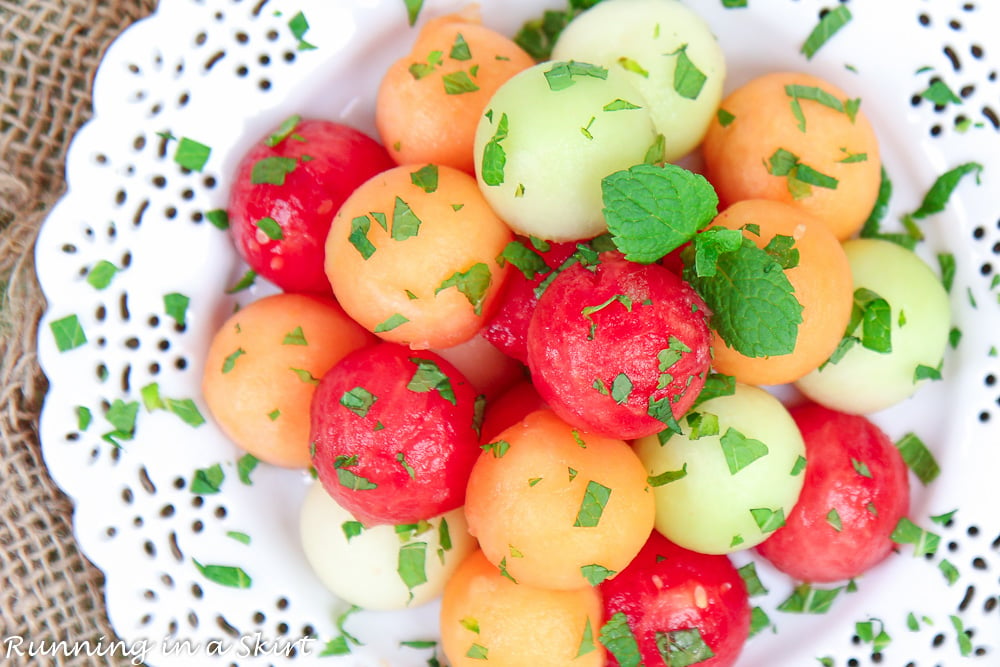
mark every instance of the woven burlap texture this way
{"type": "Point", "coordinates": [49, 52]}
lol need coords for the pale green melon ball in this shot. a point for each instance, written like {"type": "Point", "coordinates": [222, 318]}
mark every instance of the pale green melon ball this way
{"type": "Point", "coordinates": [667, 51]}
{"type": "Point", "coordinates": [732, 477]}
{"type": "Point", "coordinates": [865, 380]}
{"type": "Point", "coordinates": [548, 137]}
{"type": "Point", "coordinates": [380, 567]}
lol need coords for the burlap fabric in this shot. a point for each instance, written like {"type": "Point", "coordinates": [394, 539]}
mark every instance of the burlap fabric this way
{"type": "Point", "coordinates": [49, 51]}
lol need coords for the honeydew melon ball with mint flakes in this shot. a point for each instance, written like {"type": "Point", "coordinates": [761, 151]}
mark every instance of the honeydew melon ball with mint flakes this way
{"type": "Point", "coordinates": [548, 137]}
{"type": "Point", "coordinates": [897, 338]}
{"type": "Point", "coordinates": [666, 51]}
{"type": "Point", "coordinates": [729, 479]}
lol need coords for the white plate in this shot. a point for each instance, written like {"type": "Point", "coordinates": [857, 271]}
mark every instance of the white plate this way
{"type": "Point", "coordinates": [224, 71]}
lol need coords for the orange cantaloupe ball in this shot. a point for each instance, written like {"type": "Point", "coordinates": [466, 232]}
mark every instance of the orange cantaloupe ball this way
{"type": "Point", "coordinates": [260, 369]}
{"type": "Point", "coordinates": [558, 507]}
{"type": "Point", "coordinates": [822, 284]}
{"type": "Point", "coordinates": [417, 117]}
{"type": "Point", "coordinates": [758, 118]}
{"type": "Point", "coordinates": [430, 277]}
{"type": "Point", "coordinates": [486, 619]}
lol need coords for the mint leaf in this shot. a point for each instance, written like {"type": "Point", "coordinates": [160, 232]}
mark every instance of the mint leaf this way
{"type": "Point", "coordinates": [494, 155]}
{"type": "Point", "coordinates": [175, 305]}
{"type": "Point", "coordinates": [272, 170]}
{"type": "Point", "coordinates": [828, 25]}
{"type": "Point", "coordinates": [413, 8]}
{"type": "Point", "coordinates": [429, 377]}
{"type": "Point", "coordinates": [740, 451]}
{"type": "Point", "coordinates": [753, 304]}
{"type": "Point", "coordinates": [225, 575]}
{"type": "Point", "coordinates": [525, 259]}
{"type": "Point", "coordinates": [426, 178]}
{"type": "Point", "coordinates": [595, 498]}
{"type": "Point", "coordinates": [939, 194]}
{"type": "Point", "coordinates": [682, 648]}
{"type": "Point", "coordinates": [68, 333]}
{"type": "Point", "coordinates": [560, 75]}
{"type": "Point", "coordinates": [191, 154]}
{"type": "Point", "coordinates": [472, 283]}
{"type": "Point", "coordinates": [405, 223]}
{"type": "Point", "coordinates": [618, 638]}
{"type": "Point", "coordinates": [651, 210]}
{"type": "Point", "coordinates": [688, 79]}
{"type": "Point", "coordinates": [101, 274]}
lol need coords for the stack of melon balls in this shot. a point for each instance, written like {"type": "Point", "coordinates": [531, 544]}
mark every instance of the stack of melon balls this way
{"type": "Point", "coordinates": [563, 432]}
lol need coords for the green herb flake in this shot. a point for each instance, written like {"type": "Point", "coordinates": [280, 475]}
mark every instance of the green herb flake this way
{"type": "Point", "coordinates": [304, 375]}
{"type": "Point", "coordinates": [595, 498]}
{"type": "Point", "coordinates": [473, 284]}
{"type": "Point", "coordinates": [191, 154]}
{"type": "Point", "coordinates": [652, 210]}
{"type": "Point", "coordinates": [630, 65]}
{"type": "Point", "coordinates": [405, 223]}
{"type": "Point", "coordinates": [272, 170]}
{"type": "Point", "coordinates": [688, 79]}
{"type": "Point", "coordinates": [963, 635]}
{"type": "Point", "coordinates": [618, 638]}
{"type": "Point", "coordinates": [122, 416]}
{"type": "Point", "coordinates": [759, 620]}
{"type": "Point", "coordinates": [740, 451]}
{"type": "Point", "coordinates": [458, 83]}
{"type": "Point", "coordinates": [230, 362]}
{"type": "Point", "coordinates": [426, 178]}
{"type": "Point", "coordinates": [207, 481]}
{"type": "Point", "coordinates": [833, 519]}
{"type": "Point", "coordinates": [401, 460]}
{"type": "Point", "coordinates": [460, 49]}
{"type": "Point", "coordinates": [358, 400]}
{"type": "Point", "coordinates": [494, 156]}
{"type": "Point", "coordinates": [750, 577]}
{"type": "Point", "coordinates": [245, 465]}
{"type": "Point", "coordinates": [716, 385]}
{"type": "Point", "coordinates": [924, 372]}
{"type": "Point", "coordinates": [271, 228]}
{"type": "Point", "coordinates": [924, 542]}
{"type": "Point", "coordinates": [348, 478]}
{"type": "Point", "coordinates": [829, 24]}
{"type": "Point", "coordinates": [84, 418]}
{"type": "Point", "coordinates": [413, 8]}
{"type": "Point", "coordinates": [808, 600]}
{"type": "Point", "coordinates": [587, 311]}
{"type": "Point", "coordinates": [937, 197]}
{"type": "Point", "coordinates": [68, 333]}
{"type": "Point", "coordinates": [768, 520]}
{"type": "Point", "coordinates": [477, 652]}
{"type": "Point", "coordinates": [429, 377]}
{"type": "Point", "coordinates": [702, 424]}
{"type": "Point", "coordinates": [950, 572]}
{"type": "Point", "coordinates": [358, 236]}
{"type": "Point", "coordinates": [595, 574]}
{"type": "Point", "coordinates": [861, 468]}
{"type": "Point", "coordinates": [681, 648]}
{"type": "Point", "coordinates": [621, 388]}
{"type": "Point", "coordinates": [586, 640]}
{"type": "Point", "coordinates": [393, 321]}
{"type": "Point", "coordinates": [284, 130]}
{"type": "Point", "coordinates": [939, 94]}
{"type": "Point", "coordinates": [946, 261]}
{"type": "Point", "coordinates": [244, 283]}
{"type": "Point", "coordinates": [497, 447]}
{"type": "Point", "coordinates": [525, 259]}
{"type": "Point", "coordinates": [918, 458]}
{"type": "Point", "coordinates": [219, 218]}
{"type": "Point", "coordinates": [799, 177]}
{"type": "Point", "coordinates": [240, 537]}
{"type": "Point", "coordinates": [101, 274]}
{"type": "Point", "coordinates": [186, 409]}
{"type": "Point", "coordinates": [175, 305]}
{"type": "Point", "coordinates": [225, 575]}
{"type": "Point", "coordinates": [299, 27]}
{"type": "Point", "coordinates": [620, 105]}
{"type": "Point", "coordinates": [295, 337]}
{"type": "Point", "coordinates": [724, 117]}
{"type": "Point", "coordinates": [560, 75]}
{"type": "Point", "coordinates": [667, 477]}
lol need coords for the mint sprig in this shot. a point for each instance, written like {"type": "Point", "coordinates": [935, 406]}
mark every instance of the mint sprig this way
{"type": "Point", "coordinates": [651, 210]}
{"type": "Point", "coordinates": [753, 304]}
